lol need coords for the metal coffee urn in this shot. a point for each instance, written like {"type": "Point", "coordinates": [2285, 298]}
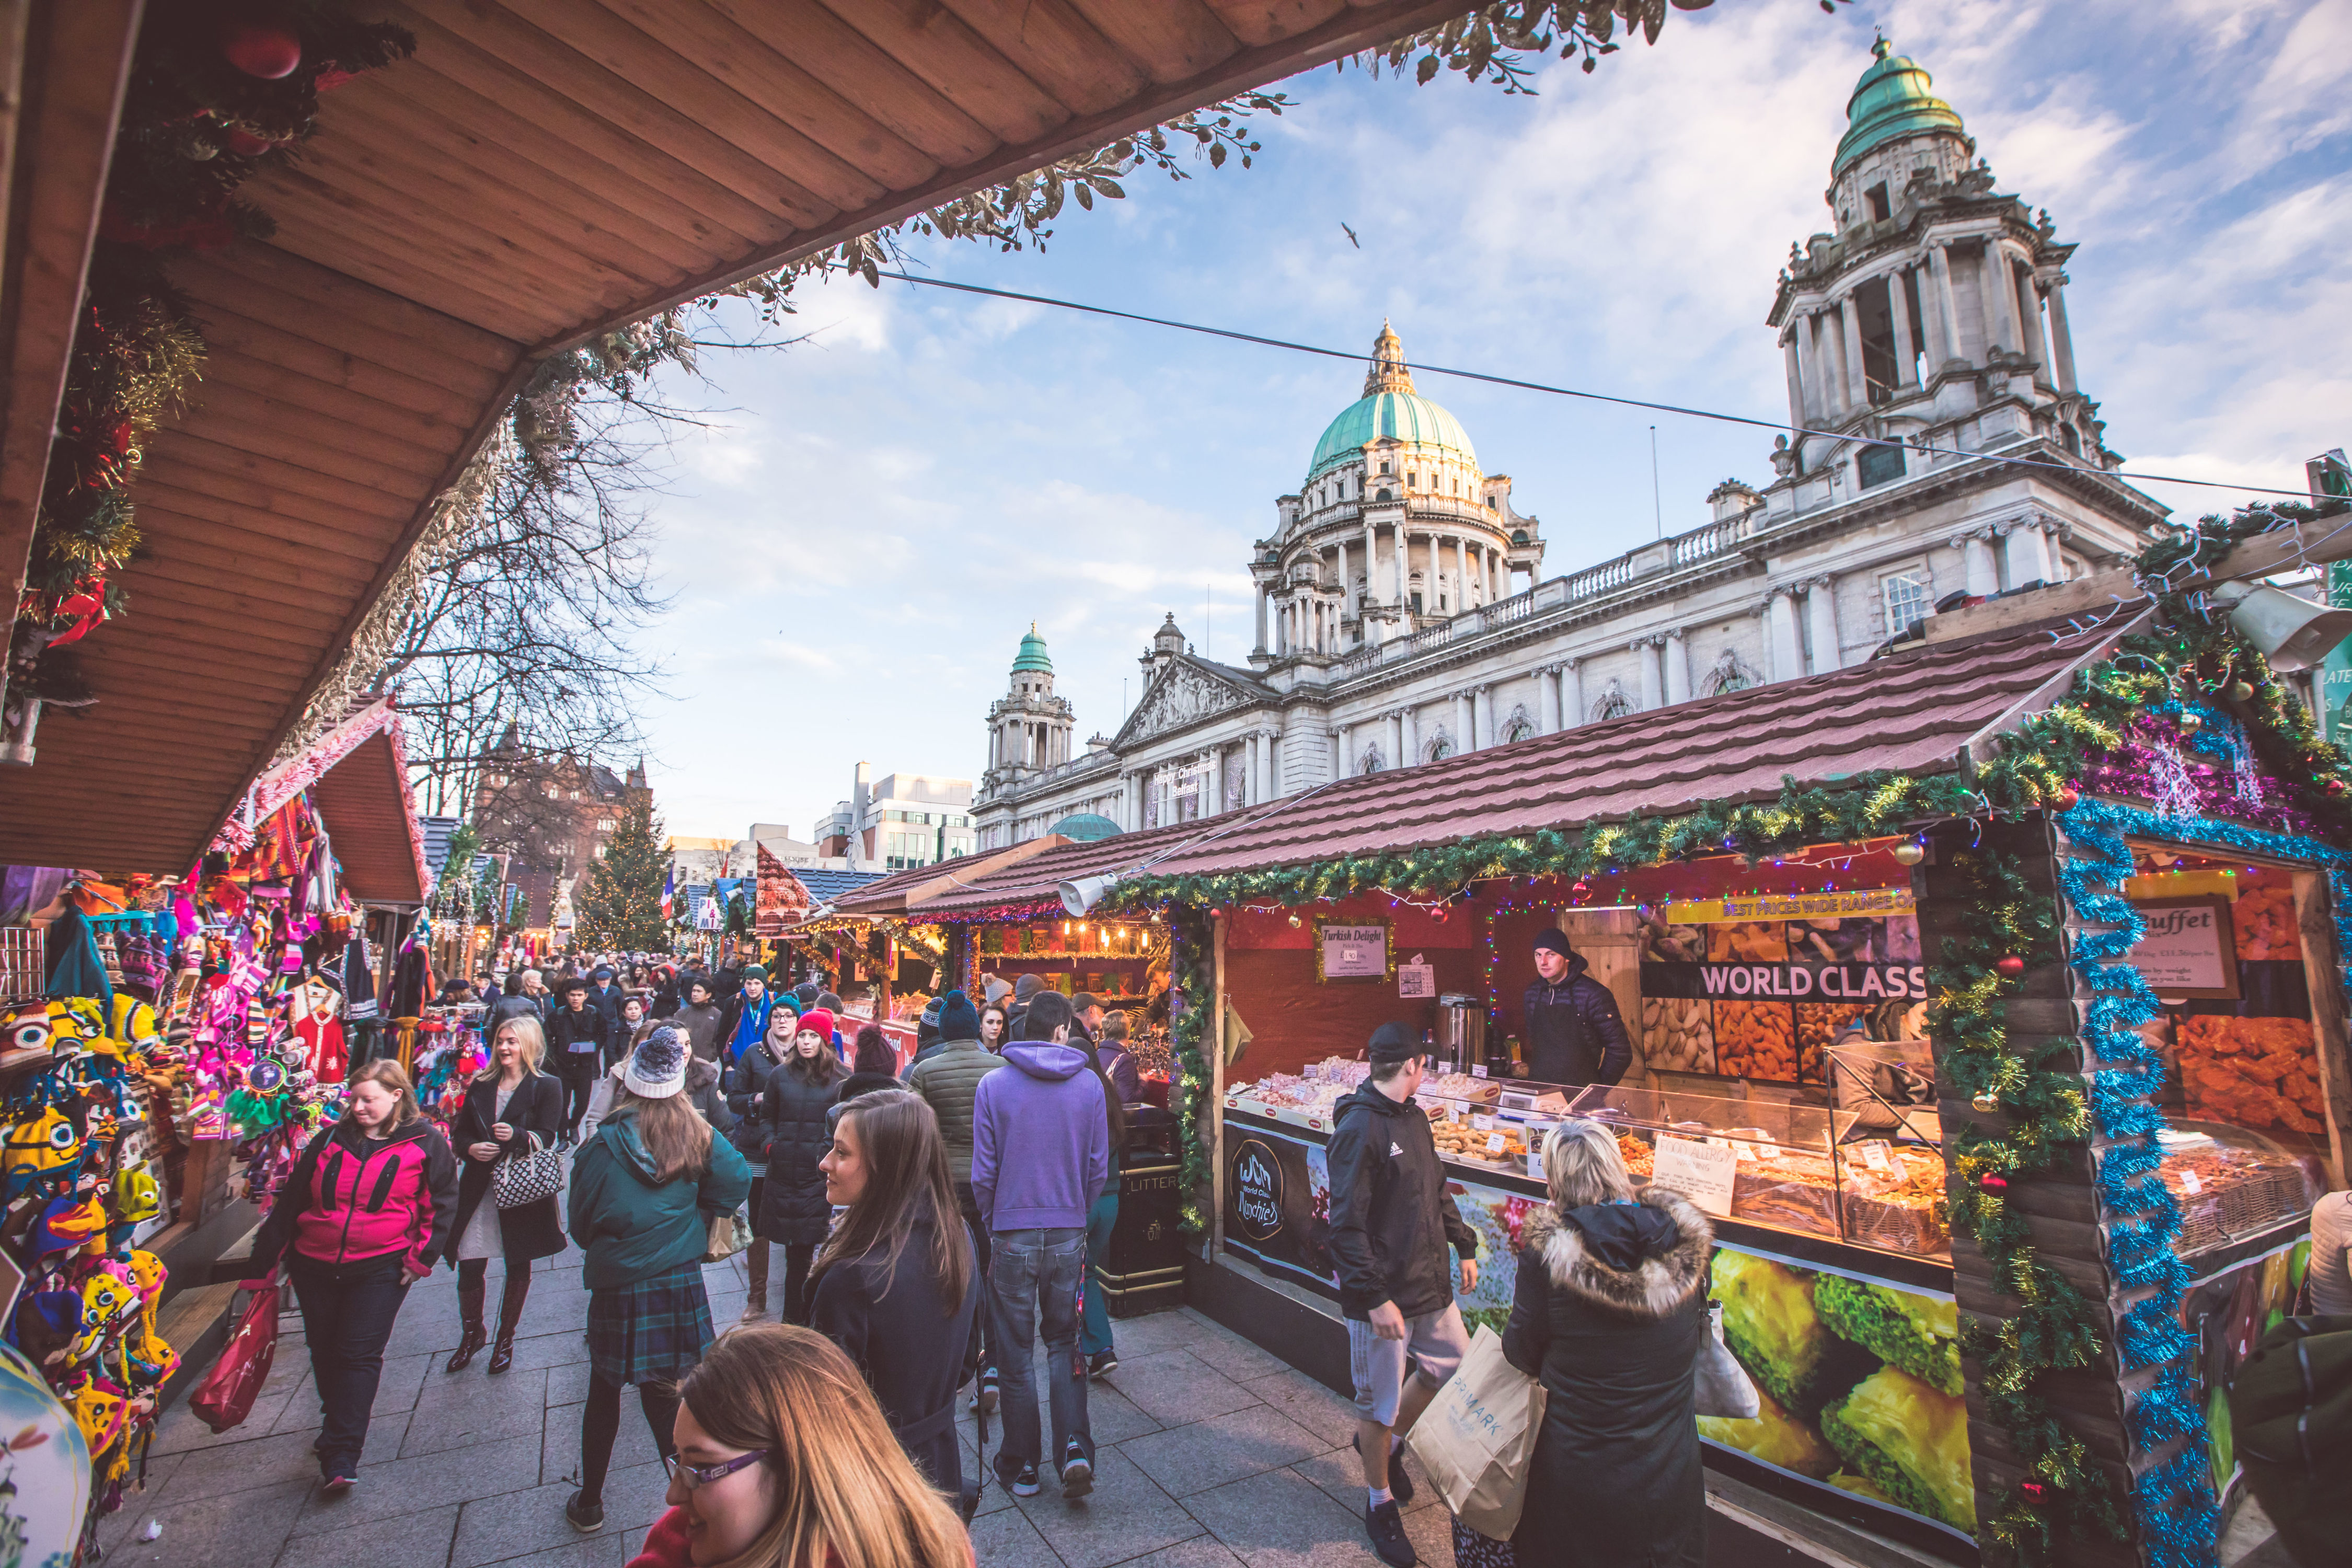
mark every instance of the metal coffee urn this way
{"type": "Point", "coordinates": [1461, 1033]}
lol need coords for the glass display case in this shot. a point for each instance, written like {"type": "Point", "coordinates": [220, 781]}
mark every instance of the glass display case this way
{"type": "Point", "coordinates": [1794, 1166]}
{"type": "Point", "coordinates": [2231, 1182]}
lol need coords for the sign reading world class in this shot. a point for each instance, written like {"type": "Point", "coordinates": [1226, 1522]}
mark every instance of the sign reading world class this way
{"type": "Point", "coordinates": [1850, 947]}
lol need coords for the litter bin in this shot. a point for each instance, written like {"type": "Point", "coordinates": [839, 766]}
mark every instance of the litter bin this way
{"type": "Point", "coordinates": [1144, 1271]}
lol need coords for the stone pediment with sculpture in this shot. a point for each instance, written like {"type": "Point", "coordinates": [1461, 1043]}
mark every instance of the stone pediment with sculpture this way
{"type": "Point", "coordinates": [1180, 695]}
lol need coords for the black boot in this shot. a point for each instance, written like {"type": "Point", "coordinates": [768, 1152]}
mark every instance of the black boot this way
{"type": "Point", "coordinates": [511, 1315]}
{"type": "Point", "coordinates": [469, 1313]}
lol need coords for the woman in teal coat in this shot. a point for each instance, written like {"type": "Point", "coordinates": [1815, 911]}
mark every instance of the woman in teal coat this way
{"type": "Point", "coordinates": [644, 1192]}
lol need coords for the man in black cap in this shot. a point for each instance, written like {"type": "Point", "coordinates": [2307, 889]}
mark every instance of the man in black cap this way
{"type": "Point", "coordinates": [1391, 1223]}
{"type": "Point", "coordinates": [1574, 1034]}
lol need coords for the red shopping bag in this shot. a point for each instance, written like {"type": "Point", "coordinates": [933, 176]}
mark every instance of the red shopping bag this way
{"type": "Point", "coordinates": [226, 1396]}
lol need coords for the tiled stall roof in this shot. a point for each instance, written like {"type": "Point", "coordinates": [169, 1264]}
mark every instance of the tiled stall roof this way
{"type": "Point", "coordinates": [1913, 714]}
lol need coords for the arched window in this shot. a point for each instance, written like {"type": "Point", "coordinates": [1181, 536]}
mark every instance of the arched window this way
{"type": "Point", "coordinates": [1370, 762]}
{"type": "Point", "coordinates": [1440, 748]}
{"type": "Point", "coordinates": [1519, 726]}
{"type": "Point", "coordinates": [1384, 494]}
{"type": "Point", "coordinates": [1613, 704]}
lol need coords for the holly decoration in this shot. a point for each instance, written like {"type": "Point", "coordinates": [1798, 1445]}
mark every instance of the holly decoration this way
{"type": "Point", "coordinates": [215, 90]}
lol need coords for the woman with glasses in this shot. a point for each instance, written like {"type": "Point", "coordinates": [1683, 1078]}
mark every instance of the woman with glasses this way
{"type": "Point", "coordinates": [784, 1460]}
{"type": "Point", "coordinates": [894, 1286]}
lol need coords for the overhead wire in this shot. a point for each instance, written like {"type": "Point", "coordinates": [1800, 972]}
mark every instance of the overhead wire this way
{"type": "Point", "coordinates": [1798, 432]}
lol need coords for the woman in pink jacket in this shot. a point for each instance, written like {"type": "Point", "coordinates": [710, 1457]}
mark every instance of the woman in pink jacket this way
{"type": "Point", "coordinates": [368, 1210]}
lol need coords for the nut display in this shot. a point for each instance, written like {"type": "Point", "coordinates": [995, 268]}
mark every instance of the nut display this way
{"type": "Point", "coordinates": [1749, 941]}
{"type": "Point", "coordinates": [1678, 1033]}
{"type": "Point", "coordinates": [2250, 1072]}
{"type": "Point", "coordinates": [1755, 1040]}
{"type": "Point", "coordinates": [1820, 1024]}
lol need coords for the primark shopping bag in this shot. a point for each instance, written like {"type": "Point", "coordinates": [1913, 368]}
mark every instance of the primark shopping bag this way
{"type": "Point", "coordinates": [1477, 1437]}
{"type": "Point", "coordinates": [226, 1396]}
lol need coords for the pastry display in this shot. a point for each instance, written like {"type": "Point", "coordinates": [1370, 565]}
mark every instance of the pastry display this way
{"type": "Point", "coordinates": [1910, 1441]}
{"type": "Point", "coordinates": [1920, 1334]}
{"type": "Point", "coordinates": [1775, 1436]}
{"type": "Point", "coordinates": [1893, 1197]}
{"type": "Point", "coordinates": [1787, 1187]}
{"type": "Point", "coordinates": [1459, 1085]}
{"type": "Point", "coordinates": [2261, 1073]}
{"type": "Point", "coordinates": [1677, 1033]}
{"type": "Point", "coordinates": [2263, 920]}
{"type": "Point", "coordinates": [1458, 1140]}
{"type": "Point", "coordinates": [2227, 1189]}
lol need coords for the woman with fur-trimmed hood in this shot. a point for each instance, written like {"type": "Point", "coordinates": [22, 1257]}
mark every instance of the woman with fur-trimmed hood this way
{"type": "Point", "coordinates": [1610, 1303]}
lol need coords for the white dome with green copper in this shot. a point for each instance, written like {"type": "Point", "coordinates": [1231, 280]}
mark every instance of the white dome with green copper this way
{"type": "Point", "coordinates": [1390, 408]}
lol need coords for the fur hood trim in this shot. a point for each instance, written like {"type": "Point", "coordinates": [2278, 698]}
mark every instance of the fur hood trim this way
{"type": "Point", "coordinates": [1657, 1288]}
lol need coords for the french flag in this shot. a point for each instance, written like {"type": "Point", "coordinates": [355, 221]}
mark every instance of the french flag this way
{"type": "Point", "coordinates": [669, 893]}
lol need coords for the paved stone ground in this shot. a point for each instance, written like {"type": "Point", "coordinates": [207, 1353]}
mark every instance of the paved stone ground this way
{"type": "Point", "coordinates": [1211, 1452]}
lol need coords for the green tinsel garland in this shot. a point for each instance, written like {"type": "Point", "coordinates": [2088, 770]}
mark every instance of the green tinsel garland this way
{"type": "Point", "coordinates": [1188, 971]}
{"type": "Point", "coordinates": [2039, 1087]}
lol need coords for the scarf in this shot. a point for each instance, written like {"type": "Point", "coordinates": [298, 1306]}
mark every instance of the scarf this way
{"type": "Point", "coordinates": [752, 1026]}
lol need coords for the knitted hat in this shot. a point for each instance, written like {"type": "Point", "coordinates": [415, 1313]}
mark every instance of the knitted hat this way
{"type": "Point", "coordinates": [1553, 942]}
{"type": "Point", "coordinates": [656, 1069]}
{"type": "Point", "coordinates": [998, 991]}
{"type": "Point", "coordinates": [758, 972]}
{"type": "Point", "coordinates": [959, 1019]}
{"type": "Point", "coordinates": [1025, 987]}
{"type": "Point", "coordinates": [820, 1020]}
{"type": "Point", "coordinates": [806, 992]}
{"type": "Point", "coordinates": [1393, 1043]}
{"type": "Point", "coordinates": [931, 1011]}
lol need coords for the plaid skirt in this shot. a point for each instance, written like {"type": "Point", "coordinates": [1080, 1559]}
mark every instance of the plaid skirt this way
{"type": "Point", "coordinates": [653, 1331]}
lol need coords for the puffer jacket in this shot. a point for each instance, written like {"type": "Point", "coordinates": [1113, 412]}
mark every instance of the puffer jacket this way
{"type": "Point", "coordinates": [701, 1026]}
{"type": "Point", "coordinates": [792, 1207]}
{"type": "Point", "coordinates": [633, 1226]}
{"type": "Point", "coordinates": [351, 1198]}
{"type": "Point", "coordinates": [948, 1079]}
{"type": "Point", "coordinates": [747, 1075]}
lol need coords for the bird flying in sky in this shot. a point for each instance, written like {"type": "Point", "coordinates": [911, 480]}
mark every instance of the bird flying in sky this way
{"type": "Point", "coordinates": [1352, 238]}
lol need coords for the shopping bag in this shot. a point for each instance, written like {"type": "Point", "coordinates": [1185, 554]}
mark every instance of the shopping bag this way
{"type": "Point", "coordinates": [729, 1236]}
{"type": "Point", "coordinates": [226, 1396]}
{"type": "Point", "coordinates": [1477, 1437]}
{"type": "Point", "coordinates": [1719, 1384]}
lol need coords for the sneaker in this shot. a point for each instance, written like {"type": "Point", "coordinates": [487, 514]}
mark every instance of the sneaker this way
{"type": "Point", "coordinates": [1025, 1480]}
{"type": "Point", "coordinates": [1102, 1363]}
{"type": "Point", "coordinates": [983, 1394]}
{"type": "Point", "coordinates": [340, 1478]}
{"type": "Point", "coordinates": [1077, 1472]}
{"type": "Point", "coordinates": [1385, 1526]}
{"type": "Point", "coordinates": [586, 1517]}
{"type": "Point", "coordinates": [1400, 1483]}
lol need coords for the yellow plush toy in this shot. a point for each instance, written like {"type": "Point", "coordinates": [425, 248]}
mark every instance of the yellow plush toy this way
{"type": "Point", "coordinates": [108, 1302]}
{"type": "Point", "coordinates": [102, 1413]}
{"type": "Point", "coordinates": [40, 1154]}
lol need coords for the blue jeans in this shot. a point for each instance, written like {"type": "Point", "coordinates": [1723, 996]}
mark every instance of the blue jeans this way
{"type": "Point", "coordinates": [1094, 1337]}
{"type": "Point", "coordinates": [1033, 1282]}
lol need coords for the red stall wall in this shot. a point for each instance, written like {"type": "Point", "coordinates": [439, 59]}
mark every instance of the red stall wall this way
{"type": "Point", "coordinates": [1295, 1019]}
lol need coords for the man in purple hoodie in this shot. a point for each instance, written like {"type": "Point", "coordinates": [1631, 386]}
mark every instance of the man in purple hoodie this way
{"type": "Point", "coordinates": [1040, 1157]}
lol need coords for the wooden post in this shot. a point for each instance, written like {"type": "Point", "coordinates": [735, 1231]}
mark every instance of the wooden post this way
{"type": "Point", "coordinates": [2323, 977]}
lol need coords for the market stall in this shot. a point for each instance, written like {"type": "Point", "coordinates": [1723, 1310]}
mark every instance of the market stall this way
{"type": "Point", "coordinates": [1990, 995]}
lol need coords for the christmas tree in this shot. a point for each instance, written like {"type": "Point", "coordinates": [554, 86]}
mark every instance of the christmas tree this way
{"type": "Point", "coordinates": [620, 906]}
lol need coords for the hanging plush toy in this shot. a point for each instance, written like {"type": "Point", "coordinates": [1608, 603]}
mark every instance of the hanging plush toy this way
{"type": "Point", "coordinates": [110, 1300]}
{"type": "Point", "coordinates": [102, 1410]}
{"type": "Point", "coordinates": [28, 1037]}
{"type": "Point", "coordinates": [40, 1157]}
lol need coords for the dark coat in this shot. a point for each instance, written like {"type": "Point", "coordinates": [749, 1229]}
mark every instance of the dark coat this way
{"type": "Point", "coordinates": [513, 1005]}
{"type": "Point", "coordinates": [792, 1206]}
{"type": "Point", "coordinates": [1616, 1476]}
{"type": "Point", "coordinates": [607, 999]}
{"type": "Point", "coordinates": [1392, 1217]}
{"type": "Point", "coordinates": [589, 1025]}
{"type": "Point", "coordinates": [746, 1076]}
{"type": "Point", "coordinates": [909, 1342]}
{"type": "Point", "coordinates": [536, 1114]}
{"type": "Point", "coordinates": [1574, 1033]}
{"type": "Point", "coordinates": [859, 1083]}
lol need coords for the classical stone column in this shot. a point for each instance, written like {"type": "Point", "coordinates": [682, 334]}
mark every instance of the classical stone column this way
{"type": "Point", "coordinates": [1948, 307]}
{"type": "Point", "coordinates": [2029, 300]}
{"type": "Point", "coordinates": [1463, 738]}
{"type": "Point", "coordinates": [1214, 799]}
{"type": "Point", "coordinates": [1857, 381]}
{"type": "Point", "coordinates": [1899, 308]}
{"type": "Point", "coordinates": [1820, 612]}
{"type": "Point", "coordinates": [1392, 738]}
{"type": "Point", "coordinates": [1482, 715]}
{"type": "Point", "coordinates": [1998, 282]}
{"type": "Point", "coordinates": [1269, 738]}
{"type": "Point", "coordinates": [1976, 555]}
{"type": "Point", "coordinates": [1789, 363]}
{"type": "Point", "coordinates": [1347, 584]}
{"type": "Point", "coordinates": [1805, 396]}
{"type": "Point", "coordinates": [1547, 699]}
{"type": "Point", "coordinates": [1261, 617]}
{"type": "Point", "coordinates": [1572, 694]}
{"type": "Point", "coordinates": [2061, 340]}
{"type": "Point", "coordinates": [1678, 670]}
{"type": "Point", "coordinates": [1653, 680]}
{"type": "Point", "coordinates": [1781, 636]}
{"type": "Point", "coordinates": [1461, 573]}
{"type": "Point", "coordinates": [2029, 557]}
{"type": "Point", "coordinates": [1408, 735]}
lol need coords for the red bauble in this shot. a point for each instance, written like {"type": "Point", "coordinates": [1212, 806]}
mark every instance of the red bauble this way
{"type": "Point", "coordinates": [245, 144]}
{"type": "Point", "coordinates": [2066, 799]}
{"type": "Point", "coordinates": [2008, 968]}
{"type": "Point", "coordinates": [2033, 1490]}
{"type": "Point", "coordinates": [270, 53]}
{"type": "Point", "coordinates": [1994, 1183]}
{"type": "Point", "coordinates": [2335, 786]}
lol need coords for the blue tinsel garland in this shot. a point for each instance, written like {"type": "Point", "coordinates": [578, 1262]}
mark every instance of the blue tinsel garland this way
{"type": "Point", "coordinates": [2179, 1514]}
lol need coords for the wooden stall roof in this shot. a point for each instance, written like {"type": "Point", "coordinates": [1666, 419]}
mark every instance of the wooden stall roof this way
{"type": "Point", "coordinates": [904, 892]}
{"type": "Point", "coordinates": [357, 774]}
{"type": "Point", "coordinates": [540, 172]}
{"type": "Point", "coordinates": [1914, 714]}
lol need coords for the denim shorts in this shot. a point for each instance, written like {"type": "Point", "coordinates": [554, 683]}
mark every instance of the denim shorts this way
{"type": "Point", "coordinates": [1435, 1340]}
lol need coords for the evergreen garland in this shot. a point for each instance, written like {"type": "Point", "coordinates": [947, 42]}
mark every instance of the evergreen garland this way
{"type": "Point", "coordinates": [1189, 958]}
{"type": "Point", "coordinates": [2038, 1086]}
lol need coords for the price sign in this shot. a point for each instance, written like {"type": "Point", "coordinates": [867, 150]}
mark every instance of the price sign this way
{"type": "Point", "coordinates": [1479, 1070]}
{"type": "Point", "coordinates": [1494, 1144]}
{"type": "Point", "coordinates": [2192, 1184]}
{"type": "Point", "coordinates": [1873, 1156]}
{"type": "Point", "coordinates": [1700, 1170]}
{"type": "Point", "coordinates": [1482, 1123]}
{"type": "Point", "coordinates": [1352, 952]}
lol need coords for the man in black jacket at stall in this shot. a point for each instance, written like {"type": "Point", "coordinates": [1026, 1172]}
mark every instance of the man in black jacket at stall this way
{"type": "Point", "coordinates": [1575, 1036]}
{"type": "Point", "coordinates": [1391, 1223]}
{"type": "Point", "coordinates": [578, 1039]}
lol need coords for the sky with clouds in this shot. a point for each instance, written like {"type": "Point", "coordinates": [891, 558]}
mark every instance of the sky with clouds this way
{"type": "Point", "coordinates": [855, 542]}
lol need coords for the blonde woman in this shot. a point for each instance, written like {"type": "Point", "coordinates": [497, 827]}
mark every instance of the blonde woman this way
{"type": "Point", "coordinates": [1610, 1303]}
{"type": "Point", "coordinates": [368, 1210]}
{"type": "Point", "coordinates": [784, 1460]}
{"type": "Point", "coordinates": [512, 1110]}
{"type": "Point", "coordinates": [644, 1192]}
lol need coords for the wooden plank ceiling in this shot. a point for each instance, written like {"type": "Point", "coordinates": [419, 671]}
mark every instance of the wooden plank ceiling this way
{"type": "Point", "coordinates": [540, 172]}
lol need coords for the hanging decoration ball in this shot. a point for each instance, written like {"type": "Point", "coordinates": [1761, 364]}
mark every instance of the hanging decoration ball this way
{"type": "Point", "coordinates": [2033, 1491]}
{"type": "Point", "coordinates": [2335, 786]}
{"type": "Point", "coordinates": [270, 53]}
{"type": "Point", "coordinates": [2067, 799]}
{"type": "Point", "coordinates": [1296, 923]}
{"type": "Point", "coordinates": [2010, 967]}
{"type": "Point", "coordinates": [1994, 1183]}
{"type": "Point", "coordinates": [2190, 723]}
{"type": "Point", "coordinates": [245, 144]}
{"type": "Point", "coordinates": [1986, 1100]}
{"type": "Point", "coordinates": [1583, 889]}
{"type": "Point", "coordinates": [1908, 854]}
{"type": "Point", "coordinates": [2241, 692]}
